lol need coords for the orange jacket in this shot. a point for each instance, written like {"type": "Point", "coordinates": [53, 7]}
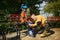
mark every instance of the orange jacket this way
{"type": "Point", "coordinates": [23, 17]}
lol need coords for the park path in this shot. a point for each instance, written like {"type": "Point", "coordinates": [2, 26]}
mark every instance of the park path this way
{"type": "Point", "coordinates": [54, 36]}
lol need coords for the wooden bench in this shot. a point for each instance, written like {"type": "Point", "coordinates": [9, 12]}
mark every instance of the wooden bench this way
{"type": "Point", "coordinates": [14, 17]}
{"type": "Point", "coordinates": [54, 20]}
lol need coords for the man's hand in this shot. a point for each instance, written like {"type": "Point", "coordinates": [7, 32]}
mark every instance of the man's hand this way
{"type": "Point", "coordinates": [30, 24]}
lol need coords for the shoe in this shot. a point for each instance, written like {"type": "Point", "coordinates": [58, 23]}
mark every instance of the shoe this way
{"type": "Point", "coordinates": [31, 33]}
{"type": "Point", "coordinates": [43, 34]}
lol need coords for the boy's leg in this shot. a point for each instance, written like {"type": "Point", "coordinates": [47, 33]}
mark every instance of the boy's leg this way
{"type": "Point", "coordinates": [45, 29]}
{"type": "Point", "coordinates": [30, 31]}
{"type": "Point", "coordinates": [44, 33]}
{"type": "Point", "coordinates": [39, 28]}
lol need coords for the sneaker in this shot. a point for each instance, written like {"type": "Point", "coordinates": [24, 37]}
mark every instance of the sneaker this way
{"type": "Point", "coordinates": [43, 34]}
{"type": "Point", "coordinates": [31, 33]}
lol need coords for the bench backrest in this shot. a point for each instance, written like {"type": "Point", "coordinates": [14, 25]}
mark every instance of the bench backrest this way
{"type": "Point", "coordinates": [14, 17]}
{"type": "Point", "coordinates": [54, 19]}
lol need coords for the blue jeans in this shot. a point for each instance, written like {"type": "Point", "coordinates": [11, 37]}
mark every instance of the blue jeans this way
{"type": "Point", "coordinates": [30, 31]}
{"type": "Point", "coordinates": [27, 23]}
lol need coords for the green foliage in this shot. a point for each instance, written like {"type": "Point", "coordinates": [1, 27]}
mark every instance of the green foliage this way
{"type": "Point", "coordinates": [34, 11]}
{"type": "Point", "coordinates": [14, 5]}
{"type": "Point", "coordinates": [4, 26]}
{"type": "Point", "coordinates": [53, 7]}
{"type": "Point", "coordinates": [54, 24]}
{"type": "Point", "coordinates": [23, 27]}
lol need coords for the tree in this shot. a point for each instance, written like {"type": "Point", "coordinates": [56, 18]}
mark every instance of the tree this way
{"type": "Point", "coordinates": [14, 5]}
{"type": "Point", "coordinates": [53, 7]}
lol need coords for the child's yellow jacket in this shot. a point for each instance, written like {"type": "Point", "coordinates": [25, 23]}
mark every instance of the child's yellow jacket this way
{"type": "Point", "coordinates": [39, 18]}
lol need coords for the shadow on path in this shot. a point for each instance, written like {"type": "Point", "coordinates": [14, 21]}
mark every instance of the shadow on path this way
{"type": "Point", "coordinates": [50, 32]}
{"type": "Point", "coordinates": [14, 38]}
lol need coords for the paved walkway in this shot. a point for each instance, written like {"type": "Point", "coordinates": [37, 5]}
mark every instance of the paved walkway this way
{"type": "Point", "coordinates": [54, 36]}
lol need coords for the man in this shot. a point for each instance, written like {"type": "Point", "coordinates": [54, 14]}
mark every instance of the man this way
{"type": "Point", "coordinates": [24, 19]}
{"type": "Point", "coordinates": [39, 20]}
